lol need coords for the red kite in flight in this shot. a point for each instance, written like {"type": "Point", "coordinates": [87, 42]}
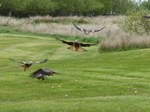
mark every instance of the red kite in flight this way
{"type": "Point", "coordinates": [42, 73]}
{"type": "Point", "coordinates": [147, 16]}
{"type": "Point", "coordinates": [87, 31]}
{"type": "Point", "coordinates": [76, 46]}
{"type": "Point", "coordinates": [26, 65]}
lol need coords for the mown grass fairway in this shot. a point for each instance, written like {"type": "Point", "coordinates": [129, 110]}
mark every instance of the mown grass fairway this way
{"type": "Point", "coordinates": [88, 81]}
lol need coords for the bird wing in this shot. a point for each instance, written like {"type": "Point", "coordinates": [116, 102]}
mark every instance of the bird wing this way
{"type": "Point", "coordinates": [98, 30]}
{"type": "Point", "coordinates": [147, 16]}
{"type": "Point", "coordinates": [65, 42]}
{"type": "Point", "coordinates": [86, 45]}
{"type": "Point", "coordinates": [42, 73]}
{"type": "Point", "coordinates": [18, 61]}
{"type": "Point", "coordinates": [48, 72]}
{"type": "Point", "coordinates": [37, 73]}
{"type": "Point", "coordinates": [79, 28]}
{"type": "Point", "coordinates": [41, 61]}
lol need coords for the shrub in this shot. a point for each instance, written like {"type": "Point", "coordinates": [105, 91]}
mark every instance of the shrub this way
{"type": "Point", "coordinates": [135, 23]}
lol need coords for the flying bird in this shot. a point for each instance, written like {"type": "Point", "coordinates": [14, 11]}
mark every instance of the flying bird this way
{"type": "Point", "coordinates": [76, 46]}
{"type": "Point", "coordinates": [42, 73]}
{"type": "Point", "coordinates": [26, 65]}
{"type": "Point", "coordinates": [147, 16]}
{"type": "Point", "coordinates": [87, 31]}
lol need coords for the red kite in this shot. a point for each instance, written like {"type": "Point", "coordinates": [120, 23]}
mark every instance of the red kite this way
{"type": "Point", "coordinates": [76, 46]}
{"type": "Point", "coordinates": [87, 31]}
{"type": "Point", "coordinates": [26, 65]}
{"type": "Point", "coordinates": [147, 16]}
{"type": "Point", "coordinates": [42, 73]}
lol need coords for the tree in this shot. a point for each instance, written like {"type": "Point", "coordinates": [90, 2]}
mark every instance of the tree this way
{"type": "Point", "coordinates": [145, 5]}
{"type": "Point", "coordinates": [135, 23]}
{"type": "Point", "coordinates": [24, 8]}
{"type": "Point", "coordinates": [106, 10]}
{"type": "Point", "coordinates": [122, 6]}
{"type": "Point", "coordinates": [40, 7]}
{"type": "Point", "coordinates": [77, 7]}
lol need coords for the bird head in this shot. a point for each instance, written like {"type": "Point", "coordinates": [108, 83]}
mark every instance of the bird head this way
{"type": "Point", "coordinates": [30, 62]}
{"type": "Point", "coordinates": [76, 41]}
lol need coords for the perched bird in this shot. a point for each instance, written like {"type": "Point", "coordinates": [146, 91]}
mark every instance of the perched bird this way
{"type": "Point", "coordinates": [42, 73]}
{"type": "Point", "coordinates": [147, 16]}
{"type": "Point", "coordinates": [76, 46]}
{"type": "Point", "coordinates": [26, 65]}
{"type": "Point", "coordinates": [87, 31]}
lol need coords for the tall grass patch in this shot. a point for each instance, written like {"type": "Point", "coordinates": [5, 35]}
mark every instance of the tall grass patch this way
{"type": "Point", "coordinates": [112, 38]}
{"type": "Point", "coordinates": [125, 43]}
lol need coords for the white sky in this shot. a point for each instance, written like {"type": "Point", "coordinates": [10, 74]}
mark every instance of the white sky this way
{"type": "Point", "coordinates": [140, 0]}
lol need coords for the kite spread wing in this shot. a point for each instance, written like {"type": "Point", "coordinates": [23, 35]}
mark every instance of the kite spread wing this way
{"type": "Point", "coordinates": [17, 61]}
{"type": "Point", "coordinates": [42, 73]}
{"type": "Point", "coordinates": [81, 29]}
{"type": "Point", "coordinates": [41, 61]}
{"type": "Point", "coordinates": [86, 45]}
{"type": "Point", "coordinates": [87, 31]}
{"type": "Point", "coordinates": [99, 29]}
{"type": "Point", "coordinates": [65, 42]}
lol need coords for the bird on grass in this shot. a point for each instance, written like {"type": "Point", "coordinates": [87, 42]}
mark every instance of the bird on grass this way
{"type": "Point", "coordinates": [26, 65]}
{"type": "Point", "coordinates": [86, 31]}
{"type": "Point", "coordinates": [42, 73]}
{"type": "Point", "coordinates": [76, 46]}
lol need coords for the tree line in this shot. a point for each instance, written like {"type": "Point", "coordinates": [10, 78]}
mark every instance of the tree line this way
{"type": "Point", "coordinates": [26, 8]}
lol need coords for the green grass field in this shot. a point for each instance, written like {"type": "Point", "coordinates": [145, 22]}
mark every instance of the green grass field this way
{"type": "Point", "coordinates": [88, 81]}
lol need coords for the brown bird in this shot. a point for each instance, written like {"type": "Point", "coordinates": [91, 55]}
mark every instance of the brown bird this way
{"type": "Point", "coordinates": [87, 31]}
{"type": "Point", "coordinates": [26, 65]}
{"type": "Point", "coordinates": [76, 46]}
{"type": "Point", "coordinates": [147, 16]}
{"type": "Point", "coordinates": [42, 73]}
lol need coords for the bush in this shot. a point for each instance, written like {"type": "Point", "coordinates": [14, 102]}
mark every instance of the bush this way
{"type": "Point", "coordinates": [135, 23]}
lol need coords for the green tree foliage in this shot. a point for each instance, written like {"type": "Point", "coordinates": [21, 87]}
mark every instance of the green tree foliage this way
{"type": "Point", "coordinates": [78, 7]}
{"type": "Point", "coordinates": [135, 23]}
{"type": "Point", "coordinates": [25, 8]}
{"type": "Point", "coordinates": [38, 7]}
{"type": "Point", "coordinates": [145, 5]}
{"type": "Point", "coordinates": [121, 6]}
{"type": "Point", "coordinates": [108, 5]}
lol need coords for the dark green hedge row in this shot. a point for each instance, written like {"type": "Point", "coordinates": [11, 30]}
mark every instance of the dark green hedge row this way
{"type": "Point", "coordinates": [25, 8]}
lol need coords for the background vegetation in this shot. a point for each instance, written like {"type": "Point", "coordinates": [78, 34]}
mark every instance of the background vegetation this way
{"type": "Point", "coordinates": [135, 23]}
{"type": "Point", "coordinates": [26, 8]}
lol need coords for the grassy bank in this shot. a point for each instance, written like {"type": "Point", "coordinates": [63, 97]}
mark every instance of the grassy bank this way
{"type": "Point", "coordinates": [88, 81]}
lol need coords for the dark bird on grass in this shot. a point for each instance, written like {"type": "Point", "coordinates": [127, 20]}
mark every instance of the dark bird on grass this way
{"type": "Point", "coordinates": [76, 46]}
{"type": "Point", "coordinates": [26, 65]}
{"type": "Point", "coordinates": [42, 73]}
{"type": "Point", "coordinates": [87, 31]}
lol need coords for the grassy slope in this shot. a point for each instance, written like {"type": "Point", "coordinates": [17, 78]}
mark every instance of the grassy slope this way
{"type": "Point", "coordinates": [88, 81]}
